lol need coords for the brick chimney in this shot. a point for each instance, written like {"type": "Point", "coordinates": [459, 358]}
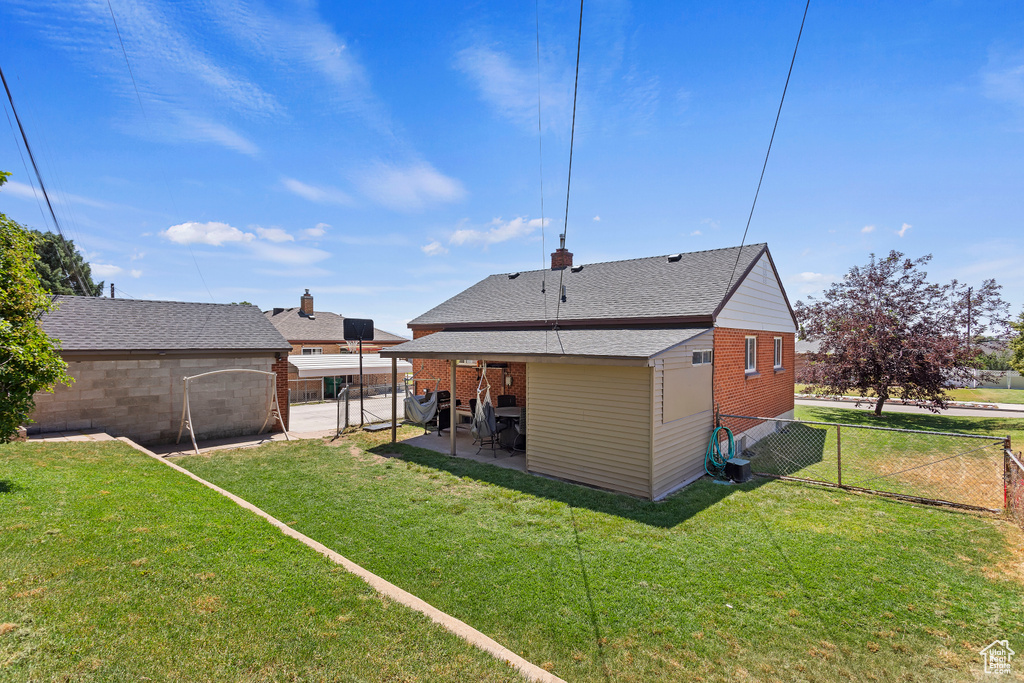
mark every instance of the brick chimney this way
{"type": "Point", "coordinates": [561, 258]}
{"type": "Point", "coordinates": [306, 303]}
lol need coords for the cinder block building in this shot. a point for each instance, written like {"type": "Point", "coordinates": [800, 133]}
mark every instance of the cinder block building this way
{"type": "Point", "coordinates": [620, 365]}
{"type": "Point", "coordinates": [129, 357]}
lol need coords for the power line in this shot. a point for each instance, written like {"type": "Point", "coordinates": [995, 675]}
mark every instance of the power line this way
{"type": "Point", "coordinates": [770, 141]}
{"type": "Point", "coordinates": [568, 183]}
{"type": "Point", "coordinates": [74, 267]}
{"type": "Point", "coordinates": [540, 156]}
{"type": "Point", "coordinates": [138, 97]}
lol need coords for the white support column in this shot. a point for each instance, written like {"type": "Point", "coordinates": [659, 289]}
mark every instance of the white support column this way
{"type": "Point", "coordinates": [451, 410]}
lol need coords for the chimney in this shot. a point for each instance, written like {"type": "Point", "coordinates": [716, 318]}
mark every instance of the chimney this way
{"type": "Point", "coordinates": [306, 303]}
{"type": "Point", "coordinates": [561, 258]}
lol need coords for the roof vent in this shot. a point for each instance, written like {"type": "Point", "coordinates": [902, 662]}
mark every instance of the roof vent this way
{"type": "Point", "coordinates": [673, 258]}
{"type": "Point", "coordinates": [513, 276]}
{"type": "Point", "coordinates": [576, 269]}
{"type": "Point", "coordinates": [278, 310]}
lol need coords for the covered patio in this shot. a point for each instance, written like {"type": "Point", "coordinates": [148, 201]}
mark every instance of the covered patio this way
{"type": "Point", "coordinates": [592, 410]}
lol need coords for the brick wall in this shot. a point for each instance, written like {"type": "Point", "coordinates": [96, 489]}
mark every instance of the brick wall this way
{"type": "Point", "coordinates": [770, 392]}
{"type": "Point", "coordinates": [337, 346]}
{"type": "Point", "coordinates": [281, 367]}
{"type": "Point", "coordinates": [468, 377]}
{"type": "Point", "coordinates": [142, 399]}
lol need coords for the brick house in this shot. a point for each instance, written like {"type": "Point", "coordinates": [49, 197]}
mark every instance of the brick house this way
{"type": "Point", "coordinates": [621, 365]}
{"type": "Point", "coordinates": [129, 356]}
{"type": "Point", "coordinates": [318, 342]}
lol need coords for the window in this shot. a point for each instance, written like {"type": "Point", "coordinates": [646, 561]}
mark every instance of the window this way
{"type": "Point", "coordinates": [312, 350]}
{"type": "Point", "coordinates": [702, 357]}
{"type": "Point", "coordinates": [778, 353]}
{"type": "Point", "coordinates": [751, 355]}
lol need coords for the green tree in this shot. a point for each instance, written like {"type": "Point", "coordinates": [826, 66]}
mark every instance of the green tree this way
{"type": "Point", "coordinates": [1017, 344]}
{"type": "Point", "coordinates": [29, 360]}
{"type": "Point", "coordinates": [59, 263]}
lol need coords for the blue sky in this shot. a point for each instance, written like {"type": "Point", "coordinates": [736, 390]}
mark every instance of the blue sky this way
{"type": "Point", "coordinates": [385, 155]}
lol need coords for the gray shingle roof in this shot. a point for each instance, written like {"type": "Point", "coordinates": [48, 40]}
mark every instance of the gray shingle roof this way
{"type": "Point", "coordinates": [324, 326]}
{"type": "Point", "coordinates": [85, 323]}
{"type": "Point", "coordinates": [603, 342]}
{"type": "Point", "coordinates": [693, 286]}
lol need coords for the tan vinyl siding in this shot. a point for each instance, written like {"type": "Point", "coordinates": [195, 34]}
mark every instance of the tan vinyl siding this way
{"type": "Point", "coordinates": [591, 424]}
{"type": "Point", "coordinates": [758, 303]}
{"type": "Point", "coordinates": [679, 444]}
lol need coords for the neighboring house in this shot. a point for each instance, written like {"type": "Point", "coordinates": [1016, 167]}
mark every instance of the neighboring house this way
{"type": "Point", "coordinates": [320, 334]}
{"type": "Point", "coordinates": [802, 360]}
{"type": "Point", "coordinates": [622, 370]}
{"type": "Point", "coordinates": [129, 357]}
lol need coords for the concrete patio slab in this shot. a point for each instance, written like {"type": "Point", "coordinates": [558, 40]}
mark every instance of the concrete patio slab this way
{"type": "Point", "coordinates": [465, 448]}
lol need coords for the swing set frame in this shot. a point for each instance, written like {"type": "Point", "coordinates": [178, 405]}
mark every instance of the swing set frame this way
{"type": "Point", "coordinates": [273, 411]}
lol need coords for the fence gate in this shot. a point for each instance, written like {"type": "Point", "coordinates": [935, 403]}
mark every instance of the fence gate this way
{"type": "Point", "coordinates": [305, 390]}
{"type": "Point", "coordinates": [964, 470]}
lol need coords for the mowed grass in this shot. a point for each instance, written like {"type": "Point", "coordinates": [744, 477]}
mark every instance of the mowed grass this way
{"type": "Point", "coordinates": [114, 567]}
{"type": "Point", "coordinates": [937, 466]}
{"type": "Point", "coordinates": [772, 580]}
{"type": "Point", "coordinates": [969, 395]}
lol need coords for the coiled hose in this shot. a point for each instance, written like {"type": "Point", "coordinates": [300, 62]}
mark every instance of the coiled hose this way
{"type": "Point", "coordinates": [714, 460]}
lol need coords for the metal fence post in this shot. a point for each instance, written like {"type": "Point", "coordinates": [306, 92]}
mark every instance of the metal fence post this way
{"type": "Point", "coordinates": [346, 406]}
{"type": "Point", "coordinates": [839, 455]}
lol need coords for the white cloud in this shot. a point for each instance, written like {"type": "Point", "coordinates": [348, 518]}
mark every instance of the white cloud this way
{"type": "Point", "coordinates": [319, 230]}
{"type": "Point", "coordinates": [28, 192]}
{"type": "Point", "coordinates": [213, 233]}
{"type": "Point", "coordinates": [1003, 79]}
{"type": "Point", "coordinates": [867, 228]}
{"type": "Point", "coordinates": [201, 129]}
{"type": "Point", "coordinates": [295, 256]}
{"type": "Point", "coordinates": [500, 231]}
{"type": "Point", "coordinates": [696, 233]}
{"type": "Point", "coordinates": [711, 223]}
{"type": "Point", "coordinates": [137, 255]}
{"type": "Point", "coordinates": [512, 89]}
{"type": "Point", "coordinates": [136, 273]}
{"type": "Point", "coordinates": [434, 249]}
{"type": "Point", "coordinates": [597, 218]}
{"type": "Point", "coordinates": [903, 230]}
{"type": "Point", "coordinates": [319, 194]}
{"type": "Point", "coordinates": [409, 188]}
{"type": "Point", "coordinates": [105, 270]}
{"type": "Point", "coordinates": [809, 277]}
{"type": "Point", "coordinates": [274, 234]}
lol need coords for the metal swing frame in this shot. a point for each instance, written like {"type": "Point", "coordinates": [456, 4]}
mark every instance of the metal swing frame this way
{"type": "Point", "coordinates": [186, 409]}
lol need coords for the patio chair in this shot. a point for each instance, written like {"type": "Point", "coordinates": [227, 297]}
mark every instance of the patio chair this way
{"type": "Point", "coordinates": [507, 401]}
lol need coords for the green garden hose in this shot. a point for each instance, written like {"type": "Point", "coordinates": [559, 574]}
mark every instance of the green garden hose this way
{"type": "Point", "coordinates": [714, 461]}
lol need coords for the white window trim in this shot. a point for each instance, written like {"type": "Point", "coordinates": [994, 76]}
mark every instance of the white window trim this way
{"type": "Point", "coordinates": [777, 348]}
{"type": "Point", "coordinates": [312, 350]}
{"type": "Point", "coordinates": [711, 356]}
{"type": "Point", "coordinates": [747, 367]}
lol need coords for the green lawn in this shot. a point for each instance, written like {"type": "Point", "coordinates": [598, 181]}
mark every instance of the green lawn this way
{"type": "Point", "coordinates": [969, 395]}
{"type": "Point", "coordinates": [960, 470]}
{"type": "Point", "coordinates": [766, 581]}
{"type": "Point", "coordinates": [114, 567]}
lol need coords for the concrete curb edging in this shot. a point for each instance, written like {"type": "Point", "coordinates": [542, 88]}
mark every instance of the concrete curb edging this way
{"type": "Point", "coordinates": [530, 671]}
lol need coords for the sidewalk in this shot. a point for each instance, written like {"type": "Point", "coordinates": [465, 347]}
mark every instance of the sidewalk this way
{"type": "Point", "coordinates": [962, 408]}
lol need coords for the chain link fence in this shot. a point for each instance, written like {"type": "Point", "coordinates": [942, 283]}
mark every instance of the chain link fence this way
{"type": "Point", "coordinates": [305, 390]}
{"type": "Point", "coordinates": [375, 406]}
{"type": "Point", "coordinates": [964, 470]}
{"type": "Point", "coordinates": [1013, 482]}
